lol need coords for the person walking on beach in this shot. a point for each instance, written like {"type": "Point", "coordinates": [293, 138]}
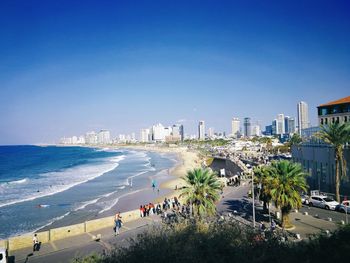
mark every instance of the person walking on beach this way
{"type": "Point", "coordinates": [118, 223]}
{"type": "Point", "coordinates": [35, 243]}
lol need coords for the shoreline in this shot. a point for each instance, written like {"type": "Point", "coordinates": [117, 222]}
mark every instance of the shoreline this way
{"type": "Point", "coordinates": [168, 179]}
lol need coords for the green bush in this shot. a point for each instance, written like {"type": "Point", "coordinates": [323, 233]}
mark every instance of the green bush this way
{"type": "Point", "coordinates": [227, 242]}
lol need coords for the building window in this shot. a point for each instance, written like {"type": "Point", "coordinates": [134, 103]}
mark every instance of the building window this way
{"type": "Point", "coordinates": [326, 121]}
{"type": "Point", "coordinates": [337, 119]}
{"type": "Point", "coordinates": [345, 118]}
{"type": "Point", "coordinates": [333, 120]}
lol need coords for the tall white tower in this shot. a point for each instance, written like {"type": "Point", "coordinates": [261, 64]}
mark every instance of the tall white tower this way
{"type": "Point", "coordinates": [303, 116]}
{"type": "Point", "coordinates": [201, 130]}
{"type": "Point", "coordinates": [235, 127]}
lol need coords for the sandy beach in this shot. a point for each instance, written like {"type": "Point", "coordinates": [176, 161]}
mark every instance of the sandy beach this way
{"type": "Point", "coordinates": [187, 160]}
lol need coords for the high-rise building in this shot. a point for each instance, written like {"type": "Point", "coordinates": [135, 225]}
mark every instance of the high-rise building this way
{"type": "Point", "coordinates": [201, 130]}
{"type": "Point", "coordinates": [91, 137]}
{"type": "Point", "coordinates": [280, 124]}
{"type": "Point", "coordinates": [182, 132]}
{"type": "Point", "coordinates": [235, 125]}
{"type": "Point", "coordinates": [247, 131]}
{"type": "Point", "coordinates": [104, 137]}
{"type": "Point", "coordinates": [256, 131]}
{"type": "Point", "coordinates": [291, 126]}
{"type": "Point", "coordinates": [274, 127]}
{"type": "Point", "coordinates": [286, 124]}
{"type": "Point", "coordinates": [158, 133]}
{"type": "Point", "coordinates": [268, 130]}
{"type": "Point", "coordinates": [145, 135]}
{"type": "Point", "coordinates": [303, 116]}
{"type": "Point", "coordinates": [211, 132]}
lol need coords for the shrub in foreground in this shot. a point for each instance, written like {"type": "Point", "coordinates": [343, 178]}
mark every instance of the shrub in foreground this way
{"type": "Point", "coordinates": [226, 242]}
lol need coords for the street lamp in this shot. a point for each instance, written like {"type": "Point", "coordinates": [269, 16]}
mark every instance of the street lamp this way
{"type": "Point", "coordinates": [253, 199]}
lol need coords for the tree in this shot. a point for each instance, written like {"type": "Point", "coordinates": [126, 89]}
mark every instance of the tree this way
{"type": "Point", "coordinates": [285, 182]}
{"type": "Point", "coordinates": [261, 176]}
{"type": "Point", "coordinates": [337, 135]}
{"type": "Point", "coordinates": [295, 139]}
{"type": "Point", "coordinates": [202, 190]}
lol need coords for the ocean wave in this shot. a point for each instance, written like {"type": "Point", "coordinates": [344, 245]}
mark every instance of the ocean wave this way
{"type": "Point", "coordinates": [114, 202]}
{"type": "Point", "coordinates": [21, 181]}
{"type": "Point", "coordinates": [55, 182]}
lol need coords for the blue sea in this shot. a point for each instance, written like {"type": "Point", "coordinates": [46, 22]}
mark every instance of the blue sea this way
{"type": "Point", "coordinates": [40, 186]}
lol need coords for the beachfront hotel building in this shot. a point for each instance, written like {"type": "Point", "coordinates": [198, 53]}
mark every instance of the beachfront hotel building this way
{"type": "Point", "coordinates": [303, 116]}
{"type": "Point", "coordinates": [235, 125]}
{"type": "Point", "coordinates": [247, 130]}
{"type": "Point", "coordinates": [334, 111]}
{"type": "Point", "coordinates": [104, 137]}
{"type": "Point", "coordinates": [201, 130]}
{"type": "Point", "coordinates": [91, 137]}
{"type": "Point", "coordinates": [145, 135]}
{"type": "Point", "coordinates": [158, 133]}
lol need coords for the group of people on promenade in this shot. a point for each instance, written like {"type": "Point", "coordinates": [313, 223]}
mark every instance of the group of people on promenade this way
{"type": "Point", "coordinates": [161, 208]}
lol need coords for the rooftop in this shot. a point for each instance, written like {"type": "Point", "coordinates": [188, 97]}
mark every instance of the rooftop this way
{"type": "Point", "coordinates": [340, 101]}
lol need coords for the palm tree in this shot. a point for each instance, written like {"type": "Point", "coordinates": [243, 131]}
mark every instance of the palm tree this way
{"type": "Point", "coordinates": [337, 135]}
{"type": "Point", "coordinates": [261, 175]}
{"type": "Point", "coordinates": [285, 182]}
{"type": "Point", "coordinates": [202, 190]}
{"type": "Point", "coordinates": [295, 139]}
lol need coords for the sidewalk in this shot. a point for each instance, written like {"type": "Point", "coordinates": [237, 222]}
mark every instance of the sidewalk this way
{"type": "Point", "coordinates": [108, 240]}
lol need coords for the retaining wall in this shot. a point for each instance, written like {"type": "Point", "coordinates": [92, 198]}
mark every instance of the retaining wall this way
{"type": "Point", "coordinates": [24, 241]}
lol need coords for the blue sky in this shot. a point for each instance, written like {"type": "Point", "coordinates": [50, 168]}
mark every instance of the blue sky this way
{"type": "Point", "coordinates": [67, 67]}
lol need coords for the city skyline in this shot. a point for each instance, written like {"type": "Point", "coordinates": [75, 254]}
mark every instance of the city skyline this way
{"type": "Point", "coordinates": [68, 68]}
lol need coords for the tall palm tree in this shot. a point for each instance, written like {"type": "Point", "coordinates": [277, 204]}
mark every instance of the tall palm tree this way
{"type": "Point", "coordinates": [285, 182]}
{"type": "Point", "coordinates": [337, 135]}
{"type": "Point", "coordinates": [202, 190]}
{"type": "Point", "coordinates": [261, 176]}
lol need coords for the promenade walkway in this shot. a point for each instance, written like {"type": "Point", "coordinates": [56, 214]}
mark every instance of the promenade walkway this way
{"type": "Point", "coordinates": [66, 250]}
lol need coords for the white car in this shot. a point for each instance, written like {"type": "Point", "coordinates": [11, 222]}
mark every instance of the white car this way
{"type": "Point", "coordinates": [323, 202]}
{"type": "Point", "coordinates": [344, 205]}
{"type": "Point", "coordinates": [305, 199]}
{"type": "Point", "coordinates": [3, 255]}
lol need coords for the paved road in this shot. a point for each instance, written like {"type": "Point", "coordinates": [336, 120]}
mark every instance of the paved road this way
{"type": "Point", "coordinates": [324, 214]}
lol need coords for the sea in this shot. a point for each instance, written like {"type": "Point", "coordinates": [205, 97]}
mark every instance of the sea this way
{"type": "Point", "coordinates": [40, 186]}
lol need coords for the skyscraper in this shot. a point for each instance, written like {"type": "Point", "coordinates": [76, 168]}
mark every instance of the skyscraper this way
{"type": "Point", "coordinates": [145, 135]}
{"type": "Point", "coordinates": [291, 125]}
{"type": "Point", "coordinates": [274, 127]}
{"type": "Point", "coordinates": [235, 127]}
{"type": "Point", "coordinates": [104, 137]}
{"type": "Point", "coordinates": [211, 132]}
{"type": "Point", "coordinates": [303, 116]}
{"type": "Point", "coordinates": [247, 127]}
{"type": "Point", "coordinates": [201, 130]}
{"type": "Point", "coordinates": [182, 132]}
{"type": "Point", "coordinates": [280, 124]}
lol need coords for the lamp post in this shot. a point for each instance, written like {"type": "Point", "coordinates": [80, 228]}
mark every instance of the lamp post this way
{"type": "Point", "coordinates": [253, 199]}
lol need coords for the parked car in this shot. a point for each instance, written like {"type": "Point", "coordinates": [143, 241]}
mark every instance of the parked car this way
{"type": "Point", "coordinates": [344, 205]}
{"type": "Point", "coordinates": [323, 201]}
{"type": "Point", "coordinates": [3, 255]}
{"type": "Point", "coordinates": [305, 199]}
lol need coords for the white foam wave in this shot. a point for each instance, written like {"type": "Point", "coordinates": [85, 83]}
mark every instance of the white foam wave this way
{"type": "Point", "coordinates": [56, 182]}
{"type": "Point", "coordinates": [114, 202]}
{"type": "Point", "coordinates": [21, 181]}
{"type": "Point", "coordinates": [85, 204]}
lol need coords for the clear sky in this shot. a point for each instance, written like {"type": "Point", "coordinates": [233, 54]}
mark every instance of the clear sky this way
{"type": "Point", "coordinates": [67, 67]}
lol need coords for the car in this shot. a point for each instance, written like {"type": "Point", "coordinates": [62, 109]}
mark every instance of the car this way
{"type": "Point", "coordinates": [304, 199]}
{"type": "Point", "coordinates": [3, 255]}
{"type": "Point", "coordinates": [323, 201]}
{"type": "Point", "coordinates": [344, 207]}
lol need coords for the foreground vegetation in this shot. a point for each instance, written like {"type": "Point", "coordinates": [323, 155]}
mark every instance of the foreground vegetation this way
{"type": "Point", "coordinates": [224, 242]}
